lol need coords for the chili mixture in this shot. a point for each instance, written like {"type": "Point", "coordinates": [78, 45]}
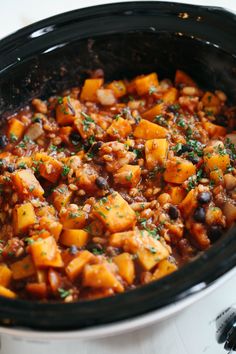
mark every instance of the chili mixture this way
{"type": "Point", "coordinates": [113, 185]}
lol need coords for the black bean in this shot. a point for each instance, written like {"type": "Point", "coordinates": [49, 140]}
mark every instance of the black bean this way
{"type": "Point", "coordinates": [215, 232]}
{"type": "Point", "coordinates": [193, 159]}
{"type": "Point", "coordinates": [3, 141]}
{"type": "Point", "coordinates": [204, 197]}
{"type": "Point", "coordinates": [101, 183]}
{"type": "Point", "coordinates": [10, 168]}
{"type": "Point", "coordinates": [199, 214]}
{"type": "Point", "coordinates": [186, 148]}
{"type": "Point", "coordinates": [221, 120]}
{"type": "Point", "coordinates": [37, 120]}
{"type": "Point", "coordinates": [75, 138]}
{"type": "Point", "coordinates": [173, 212]}
{"type": "Point", "coordinates": [95, 147]}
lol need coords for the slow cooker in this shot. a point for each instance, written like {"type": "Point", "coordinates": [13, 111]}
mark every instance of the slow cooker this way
{"type": "Point", "coordinates": [124, 39]}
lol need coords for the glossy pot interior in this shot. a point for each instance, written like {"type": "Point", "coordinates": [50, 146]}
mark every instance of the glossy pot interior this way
{"type": "Point", "coordinates": [124, 39]}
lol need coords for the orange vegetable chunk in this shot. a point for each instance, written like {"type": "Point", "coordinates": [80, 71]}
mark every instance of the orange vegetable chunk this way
{"type": "Point", "coordinates": [26, 183]}
{"type": "Point", "coordinates": [23, 217]}
{"type": "Point", "coordinates": [75, 267]}
{"type": "Point", "coordinates": [78, 238]}
{"type": "Point", "coordinates": [15, 130]}
{"type": "Point", "coordinates": [144, 83]}
{"type": "Point", "coordinates": [178, 170]}
{"type": "Point", "coordinates": [5, 275]}
{"type": "Point", "coordinates": [89, 90]}
{"type": "Point", "coordinates": [45, 253]}
{"type": "Point", "coordinates": [67, 110]}
{"type": "Point", "coordinates": [115, 213]}
{"type": "Point", "coordinates": [23, 268]}
{"type": "Point", "coordinates": [156, 152]}
{"type": "Point", "coordinates": [148, 130]}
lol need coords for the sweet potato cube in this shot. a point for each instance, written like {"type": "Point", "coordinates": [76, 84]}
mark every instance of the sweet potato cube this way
{"type": "Point", "coordinates": [209, 100]}
{"type": "Point", "coordinates": [181, 78]}
{"type": "Point", "coordinates": [67, 110]}
{"type": "Point", "coordinates": [7, 293]}
{"type": "Point", "coordinates": [23, 217]}
{"type": "Point", "coordinates": [153, 112]}
{"type": "Point", "coordinates": [5, 275]}
{"type": "Point", "coordinates": [61, 196]}
{"type": "Point", "coordinates": [89, 90]}
{"type": "Point", "coordinates": [118, 88]}
{"type": "Point", "coordinates": [115, 213]}
{"type": "Point", "coordinates": [26, 183]}
{"type": "Point", "coordinates": [128, 175]}
{"type": "Point", "coordinates": [118, 239]}
{"type": "Point", "coordinates": [73, 220]}
{"type": "Point", "coordinates": [50, 223]}
{"type": "Point", "coordinates": [49, 167]}
{"type": "Point", "coordinates": [15, 130]}
{"type": "Point", "coordinates": [125, 265]}
{"type": "Point", "coordinates": [177, 193]}
{"type": "Point", "coordinates": [164, 268]}
{"type": "Point", "coordinates": [24, 161]}
{"type": "Point", "coordinates": [100, 276]}
{"type": "Point", "coordinates": [216, 161]}
{"type": "Point", "coordinates": [148, 250]}
{"type": "Point", "coordinates": [75, 267]}
{"type": "Point", "coordinates": [178, 170]}
{"type": "Point", "coordinates": [78, 238]}
{"type": "Point", "coordinates": [37, 290]}
{"type": "Point", "coordinates": [156, 152]}
{"type": "Point", "coordinates": [214, 130]}
{"type": "Point", "coordinates": [144, 83]}
{"type": "Point", "coordinates": [23, 268]}
{"type": "Point", "coordinates": [45, 253]}
{"type": "Point", "coordinates": [170, 96]}
{"type": "Point", "coordinates": [189, 204]}
{"type": "Point", "coordinates": [148, 130]}
{"type": "Point", "coordinates": [64, 134]}
{"type": "Point", "coordinates": [217, 176]}
{"type": "Point", "coordinates": [119, 128]}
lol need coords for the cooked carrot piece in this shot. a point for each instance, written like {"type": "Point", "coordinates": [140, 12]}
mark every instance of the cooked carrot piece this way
{"type": "Point", "coordinates": [144, 83]}
{"type": "Point", "coordinates": [54, 279]}
{"type": "Point", "coordinates": [23, 217]}
{"type": "Point", "coordinates": [115, 213]}
{"type": "Point", "coordinates": [89, 90]}
{"type": "Point", "coordinates": [148, 130]}
{"type": "Point", "coordinates": [209, 99]}
{"type": "Point", "coordinates": [23, 268]}
{"type": "Point", "coordinates": [15, 130]}
{"type": "Point", "coordinates": [64, 134]}
{"type": "Point", "coordinates": [75, 267]}
{"type": "Point", "coordinates": [26, 183]}
{"type": "Point", "coordinates": [120, 128]}
{"type": "Point", "coordinates": [5, 275]}
{"type": "Point", "coordinates": [156, 152]}
{"type": "Point", "coordinates": [45, 253]}
{"type": "Point", "coordinates": [68, 109]}
{"type": "Point", "coordinates": [49, 222]}
{"type": "Point", "coordinates": [178, 170]}
{"type": "Point", "coordinates": [217, 176]}
{"type": "Point", "coordinates": [78, 238]}
{"type": "Point", "coordinates": [100, 276]}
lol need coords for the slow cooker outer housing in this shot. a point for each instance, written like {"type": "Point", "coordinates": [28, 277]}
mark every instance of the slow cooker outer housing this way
{"type": "Point", "coordinates": [125, 39]}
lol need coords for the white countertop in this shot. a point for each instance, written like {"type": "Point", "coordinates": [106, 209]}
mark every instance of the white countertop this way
{"type": "Point", "coordinates": [190, 332]}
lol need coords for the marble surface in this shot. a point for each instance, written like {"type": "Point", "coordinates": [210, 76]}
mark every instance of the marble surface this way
{"type": "Point", "coordinates": [190, 332]}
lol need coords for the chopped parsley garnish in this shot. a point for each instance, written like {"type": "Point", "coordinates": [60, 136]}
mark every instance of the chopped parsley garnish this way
{"type": "Point", "coordinates": [13, 138]}
{"type": "Point", "coordinates": [65, 170]}
{"type": "Point", "coordinates": [181, 123]}
{"type": "Point", "coordinates": [129, 177]}
{"type": "Point", "coordinates": [159, 119]}
{"type": "Point", "coordinates": [152, 90]}
{"type": "Point", "coordinates": [97, 251]}
{"type": "Point", "coordinates": [87, 121]}
{"type": "Point", "coordinates": [63, 292]}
